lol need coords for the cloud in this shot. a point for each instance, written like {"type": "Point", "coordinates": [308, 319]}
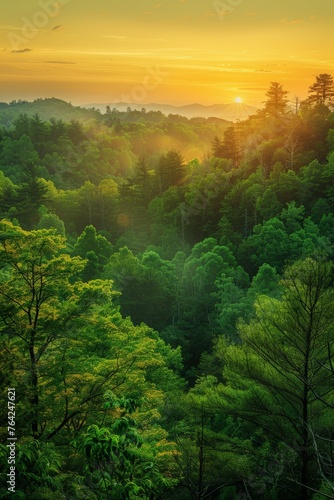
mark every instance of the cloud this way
{"type": "Point", "coordinates": [134, 39]}
{"type": "Point", "coordinates": [20, 51]}
{"type": "Point", "coordinates": [56, 27]}
{"type": "Point", "coordinates": [59, 62]}
{"type": "Point", "coordinates": [262, 70]}
{"type": "Point", "coordinates": [253, 89]}
{"type": "Point", "coordinates": [116, 37]}
{"type": "Point", "coordinates": [292, 21]}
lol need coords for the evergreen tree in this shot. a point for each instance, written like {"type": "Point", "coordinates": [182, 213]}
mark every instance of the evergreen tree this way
{"type": "Point", "coordinates": [31, 195]}
{"type": "Point", "coordinates": [171, 169]}
{"type": "Point", "coordinates": [280, 379]}
{"type": "Point", "coordinates": [231, 146]}
{"type": "Point", "coordinates": [217, 147]}
{"type": "Point", "coordinates": [277, 102]}
{"type": "Point", "coordinates": [322, 91]}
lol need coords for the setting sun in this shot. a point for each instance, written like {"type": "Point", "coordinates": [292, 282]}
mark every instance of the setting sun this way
{"type": "Point", "coordinates": [99, 53]}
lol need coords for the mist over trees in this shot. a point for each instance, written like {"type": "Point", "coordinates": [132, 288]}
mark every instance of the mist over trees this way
{"type": "Point", "coordinates": [166, 301]}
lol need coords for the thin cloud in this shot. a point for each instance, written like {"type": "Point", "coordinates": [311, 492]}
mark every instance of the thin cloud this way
{"type": "Point", "coordinates": [10, 27]}
{"type": "Point", "coordinates": [253, 89]}
{"type": "Point", "coordinates": [134, 39]}
{"type": "Point", "coordinates": [116, 37]}
{"type": "Point", "coordinates": [59, 62]}
{"type": "Point", "coordinates": [292, 21]}
{"type": "Point", "coordinates": [20, 51]}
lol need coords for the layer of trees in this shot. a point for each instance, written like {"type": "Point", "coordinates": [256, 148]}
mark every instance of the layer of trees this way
{"type": "Point", "coordinates": [167, 317]}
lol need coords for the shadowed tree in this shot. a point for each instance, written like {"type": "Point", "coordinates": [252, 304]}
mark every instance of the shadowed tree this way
{"type": "Point", "coordinates": [217, 147]}
{"type": "Point", "coordinates": [31, 195]}
{"type": "Point", "coordinates": [171, 169]}
{"type": "Point", "coordinates": [322, 91]}
{"type": "Point", "coordinates": [277, 102]}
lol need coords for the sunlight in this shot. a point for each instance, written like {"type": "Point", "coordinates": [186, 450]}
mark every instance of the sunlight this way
{"type": "Point", "coordinates": [238, 100]}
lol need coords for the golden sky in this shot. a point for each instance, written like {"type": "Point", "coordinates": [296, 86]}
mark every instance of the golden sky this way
{"type": "Point", "coordinates": [167, 51]}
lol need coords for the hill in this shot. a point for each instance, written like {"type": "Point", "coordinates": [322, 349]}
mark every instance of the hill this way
{"type": "Point", "coordinates": [46, 109]}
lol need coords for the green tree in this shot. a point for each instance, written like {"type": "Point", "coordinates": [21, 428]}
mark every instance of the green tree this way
{"type": "Point", "coordinates": [57, 129]}
{"type": "Point", "coordinates": [76, 132]}
{"type": "Point", "coordinates": [39, 133]}
{"type": "Point", "coordinates": [50, 221]}
{"type": "Point", "coordinates": [31, 195]}
{"type": "Point", "coordinates": [15, 154]}
{"type": "Point", "coordinates": [95, 248]}
{"type": "Point", "coordinates": [280, 378]}
{"type": "Point", "coordinates": [34, 280]}
{"type": "Point", "coordinates": [171, 169]}
{"type": "Point", "coordinates": [124, 461]}
{"type": "Point", "coordinates": [64, 345]}
{"type": "Point", "coordinates": [21, 125]}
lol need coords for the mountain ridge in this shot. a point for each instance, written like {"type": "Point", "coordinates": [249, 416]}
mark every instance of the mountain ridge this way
{"type": "Point", "coordinates": [231, 112]}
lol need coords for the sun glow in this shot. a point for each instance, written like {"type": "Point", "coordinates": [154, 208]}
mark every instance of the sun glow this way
{"type": "Point", "coordinates": [238, 100]}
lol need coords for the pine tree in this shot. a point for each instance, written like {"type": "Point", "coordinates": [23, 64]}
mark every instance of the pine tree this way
{"type": "Point", "coordinates": [171, 169]}
{"type": "Point", "coordinates": [277, 102]}
{"type": "Point", "coordinates": [322, 91]}
{"type": "Point", "coordinates": [31, 195]}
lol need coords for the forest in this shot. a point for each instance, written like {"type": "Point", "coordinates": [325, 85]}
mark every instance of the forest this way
{"type": "Point", "coordinates": [167, 302]}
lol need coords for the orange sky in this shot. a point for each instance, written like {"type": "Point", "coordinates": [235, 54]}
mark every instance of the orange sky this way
{"type": "Point", "coordinates": [173, 51]}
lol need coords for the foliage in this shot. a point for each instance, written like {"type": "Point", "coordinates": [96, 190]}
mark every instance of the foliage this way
{"type": "Point", "coordinates": [125, 462]}
{"type": "Point", "coordinates": [137, 249]}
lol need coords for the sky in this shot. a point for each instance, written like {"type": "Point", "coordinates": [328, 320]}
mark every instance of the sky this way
{"type": "Point", "coordinates": [163, 51]}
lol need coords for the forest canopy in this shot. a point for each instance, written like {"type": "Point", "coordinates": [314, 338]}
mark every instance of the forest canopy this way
{"type": "Point", "coordinates": [166, 301]}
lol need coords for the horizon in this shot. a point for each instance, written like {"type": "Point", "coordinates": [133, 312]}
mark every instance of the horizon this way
{"type": "Point", "coordinates": [166, 52]}
{"type": "Point", "coordinates": [231, 112]}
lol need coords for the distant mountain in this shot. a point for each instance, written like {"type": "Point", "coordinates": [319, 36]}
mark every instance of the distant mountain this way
{"type": "Point", "coordinates": [232, 112]}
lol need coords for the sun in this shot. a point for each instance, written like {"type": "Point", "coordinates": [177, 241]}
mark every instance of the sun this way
{"type": "Point", "coordinates": [238, 100]}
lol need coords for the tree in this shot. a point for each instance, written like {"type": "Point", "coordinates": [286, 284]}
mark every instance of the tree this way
{"type": "Point", "coordinates": [95, 248]}
{"type": "Point", "coordinates": [39, 309]}
{"type": "Point", "coordinates": [280, 379]}
{"type": "Point", "coordinates": [277, 102]}
{"type": "Point", "coordinates": [124, 461]}
{"type": "Point", "coordinates": [75, 132]}
{"type": "Point", "coordinates": [31, 195]}
{"type": "Point", "coordinates": [57, 129]}
{"type": "Point", "coordinates": [171, 169]}
{"type": "Point", "coordinates": [38, 131]}
{"type": "Point", "coordinates": [147, 286]}
{"type": "Point", "coordinates": [64, 345]}
{"type": "Point", "coordinates": [50, 221]}
{"type": "Point", "coordinates": [217, 147]}
{"type": "Point", "coordinates": [143, 182]}
{"type": "Point", "coordinates": [21, 125]}
{"type": "Point", "coordinates": [25, 291]}
{"type": "Point", "coordinates": [322, 91]}
{"type": "Point", "coordinates": [231, 146]}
